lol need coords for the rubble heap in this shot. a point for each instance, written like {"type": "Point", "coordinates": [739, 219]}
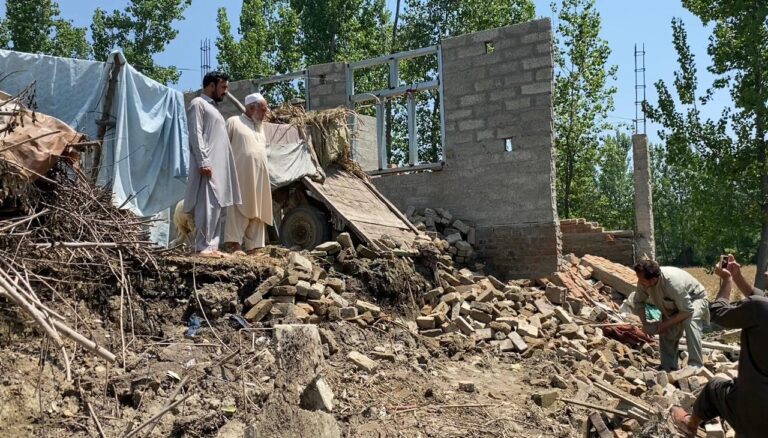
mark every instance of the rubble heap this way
{"type": "Point", "coordinates": [449, 234]}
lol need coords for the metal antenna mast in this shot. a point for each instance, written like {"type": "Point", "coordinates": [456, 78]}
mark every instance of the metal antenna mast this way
{"type": "Point", "coordinates": [205, 57]}
{"type": "Point", "coordinates": [639, 88]}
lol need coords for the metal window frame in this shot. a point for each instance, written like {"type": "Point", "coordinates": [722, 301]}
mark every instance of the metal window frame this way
{"type": "Point", "coordinates": [395, 89]}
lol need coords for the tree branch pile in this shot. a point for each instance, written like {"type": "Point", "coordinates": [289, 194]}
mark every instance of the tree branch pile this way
{"type": "Point", "coordinates": [68, 240]}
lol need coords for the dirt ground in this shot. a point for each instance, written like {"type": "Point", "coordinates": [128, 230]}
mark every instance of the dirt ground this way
{"type": "Point", "coordinates": [413, 394]}
{"type": "Point", "coordinates": [712, 282]}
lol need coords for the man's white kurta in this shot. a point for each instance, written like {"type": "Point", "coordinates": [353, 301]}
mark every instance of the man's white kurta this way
{"type": "Point", "coordinates": [209, 147]}
{"type": "Point", "coordinates": [249, 149]}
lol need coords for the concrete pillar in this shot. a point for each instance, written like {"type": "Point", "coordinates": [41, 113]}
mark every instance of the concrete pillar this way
{"type": "Point", "coordinates": [645, 245]}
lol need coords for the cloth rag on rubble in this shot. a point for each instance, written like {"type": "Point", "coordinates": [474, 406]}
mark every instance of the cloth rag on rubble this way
{"type": "Point", "coordinates": [628, 334]}
{"type": "Point", "coordinates": [144, 154]}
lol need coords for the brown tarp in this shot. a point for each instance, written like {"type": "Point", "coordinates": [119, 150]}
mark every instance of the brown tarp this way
{"type": "Point", "coordinates": [35, 157]}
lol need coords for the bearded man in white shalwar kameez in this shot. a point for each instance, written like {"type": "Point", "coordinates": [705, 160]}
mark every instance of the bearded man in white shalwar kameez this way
{"type": "Point", "coordinates": [212, 183]}
{"type": "Point", "coordinates": [246, 223]}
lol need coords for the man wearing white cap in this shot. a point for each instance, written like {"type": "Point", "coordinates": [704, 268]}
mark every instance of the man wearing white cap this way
{"type": "Point", "coordinates": [245, 226]}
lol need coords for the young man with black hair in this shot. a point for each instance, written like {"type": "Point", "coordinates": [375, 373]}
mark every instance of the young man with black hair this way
{"type": "Point", "coordinates": [212, 182]}
{"type": "Point", "coordinates": [742, 401]}
{"type": "Point", "coordinates": [684, 308]}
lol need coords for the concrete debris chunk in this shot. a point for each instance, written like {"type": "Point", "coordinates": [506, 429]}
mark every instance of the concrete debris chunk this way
{"type": "Point", "coordinates": [317, 396]}
{"type": "Point", "coordinates": [518, 342]}
{"type": "Point", "coordinates": [425, 322]}
{"type": "Point", "coordinates": [467, 386]}
{"type": "Point", "coordinates": [362, 361]}
{"type": "Point", "coordinates": [345, 240]}
{"type": "Point", "coordinates": [283, 291]}
{"type": "Point", "coordinates": [348, 312]}
{"type": "Point", "coordinates": [545, 399]}
{"type": "Point", "coordinates": [297, 260]}
{"type": "Point", "coordinates": [364, 306]}
{"type": "Point", "coordinates": [563, 315]}
{"type": "Point", "coordinates": [337, 284]}
{"type": "Point", "coordinates": [329, 247]}
{"type": "Point", "coordinates": [555, 294]}
{"type": "Point", "coordinates": [259, 311]}
{"type": "Point", "coordinates": [337, 299]}
{"type": "Point", "coordinates": [464, 326]}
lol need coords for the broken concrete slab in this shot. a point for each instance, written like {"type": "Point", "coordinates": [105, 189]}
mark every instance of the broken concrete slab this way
{"type": "Point", "coordinates": [317, 396]}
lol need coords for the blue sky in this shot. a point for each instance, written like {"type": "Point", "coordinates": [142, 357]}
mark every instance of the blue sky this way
{"type": "Point", "coordinates": [625, 23]}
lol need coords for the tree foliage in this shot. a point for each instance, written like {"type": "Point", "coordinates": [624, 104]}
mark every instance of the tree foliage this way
{"type": "Point", "coordinates": [35, 27]}
{"type": "Point", "coordinates": [142, 29]}
{"type": "Point", "coordinates": [583, 98]}
{"type": "Point", "coordinates": [613, 205]}
{"type": "Point", "coordinates": [721, 162]}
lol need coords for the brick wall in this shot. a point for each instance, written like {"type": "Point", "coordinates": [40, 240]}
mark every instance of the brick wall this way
{"type": "Point", "coordinates": [491, 97]}
{"type": "Point", "coordinates": [582, 237]}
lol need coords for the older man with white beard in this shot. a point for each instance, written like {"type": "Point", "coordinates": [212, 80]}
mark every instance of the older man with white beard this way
{"type": "Point", "coordinates": [245, 226]}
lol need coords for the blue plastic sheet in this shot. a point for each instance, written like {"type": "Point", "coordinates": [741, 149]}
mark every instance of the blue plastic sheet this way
{"type": "Point", "coordinates": [145, 155]}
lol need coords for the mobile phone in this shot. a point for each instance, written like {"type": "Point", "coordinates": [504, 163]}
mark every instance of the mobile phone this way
{"type": "Point", "coordinates": [724, 262]}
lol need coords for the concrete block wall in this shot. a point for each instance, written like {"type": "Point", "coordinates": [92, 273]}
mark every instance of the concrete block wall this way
{"type": "Point", "coordinates": [327, 85]}
{"type": "Point", "coordinates": [581, 237]}
{"type": "Point", "coordinates": [497, 86]}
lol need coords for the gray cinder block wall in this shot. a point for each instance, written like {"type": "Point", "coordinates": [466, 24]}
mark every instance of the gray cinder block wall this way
{"type": "Point", "coordinates": [498, 85]}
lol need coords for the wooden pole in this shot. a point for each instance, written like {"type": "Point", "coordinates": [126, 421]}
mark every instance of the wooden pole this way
{"type": "Point", "coordinates": [104, 122]}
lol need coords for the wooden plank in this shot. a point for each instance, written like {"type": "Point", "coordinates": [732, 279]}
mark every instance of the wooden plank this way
{"type": "Point", "coordinates": [361, 208]}
{"type": "Point", "coordinates": [594, 406]}
{"type": "Point", "coordinates": [623, 396]}
{"type": "Point", "coordinates": [394, 209]}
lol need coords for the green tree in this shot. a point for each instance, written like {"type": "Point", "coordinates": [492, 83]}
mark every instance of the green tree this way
{"type": "Point", "coordinates": [35, 27]}
{"type": "Point", "coordinates": [341, 30]}
{"type": "Point", "coordinates": [141, 30]}
{"type": "Point", "coordinates": [248, 58]}
{"type": "Point", "coordinates": [615, 189]}
{"type": "Point", "coordinates": [280, 36]}
{"type": "Point", "coordinates": [730, 176]}
{"type": "Point", "coordinates": [583, 98]}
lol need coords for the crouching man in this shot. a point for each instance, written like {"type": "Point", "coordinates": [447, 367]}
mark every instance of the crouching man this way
{"type": "Point", "coordinates": [742, 401]}
{"type": "Point", "coordinates": [683, 303]}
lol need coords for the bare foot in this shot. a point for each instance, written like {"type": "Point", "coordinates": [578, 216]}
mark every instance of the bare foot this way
{"type": "Point", "coordinates": [682, 419]}
{"type": "Point", "coordinates": [209, 254]}
{"type": "Point", "coordinates": [252, 251]}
